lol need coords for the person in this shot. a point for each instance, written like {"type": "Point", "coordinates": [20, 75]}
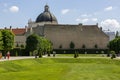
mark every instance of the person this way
{"type": "Point", "coordinates": [0, 55]}
{"type": "Point", "coordinates": [8, 54]}
{"type": "Point", "coordinates": [35, 55]}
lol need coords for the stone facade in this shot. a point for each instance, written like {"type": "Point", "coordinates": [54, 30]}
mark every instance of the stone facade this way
{"type": "Point", "coordinates": [88, 35]}
{"type": "Point", "coordinates": [63, 35]}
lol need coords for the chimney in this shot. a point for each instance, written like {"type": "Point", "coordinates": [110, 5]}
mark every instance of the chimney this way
{"type": "Point", "coordinates": [11, 28]}
{"type": "Point", "coordinates": [5, 28]}
{"type": "Point", "coordinates": [97, 24]}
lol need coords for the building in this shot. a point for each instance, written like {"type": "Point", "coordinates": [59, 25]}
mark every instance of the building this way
{"type": "Point", "coordinates": [110, 34]}
{"type": "Point", "coordinates": [61, 35]}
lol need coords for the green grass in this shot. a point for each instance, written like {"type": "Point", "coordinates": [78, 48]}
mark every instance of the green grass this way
{"type": "Point", "coordinates": [61, 69]}
{"type": "Point", "coordinates": [80, 55]}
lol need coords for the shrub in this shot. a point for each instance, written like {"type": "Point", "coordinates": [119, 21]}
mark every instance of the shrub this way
{"type": "Point", "coordinates": [16, 54]}
{"type": "Point", "coordinates": [72, 45]}
{"type": "Point", "coordinates": [60, 46]}
{"type": "Point", "coordinates": [83, 46]}
{"type": "Point", "coordinates": [113, 55]}
{"type": "Point", "coordinates": [76, 54]}
{"type": "Point", "coordinates": [96, 46]}
{"type": "Point", "coordinates": [22, 46]}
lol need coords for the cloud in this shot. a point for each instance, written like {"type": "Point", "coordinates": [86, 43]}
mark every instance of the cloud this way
{"type": "Point", "coordinates": [86, 15]}
{"type": "Point", "coordinates": [94, 19]}
{"type": "Point", "coordinates": [82, 20]}
{"type": "Point", "coordinates": [111, 24]}
{"type": "Point", "coordinates": [78, 19]}
{"type": "Point", "coordinates": [108, 8]}
{"type": "Point", "coordinates": [85, 20]}
{"type": "Point", "coordinates": [65, 11]}
{"type": "Point", "coordinates": [14, 9]}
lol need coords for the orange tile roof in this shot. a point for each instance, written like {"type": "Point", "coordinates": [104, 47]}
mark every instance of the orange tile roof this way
{"type": "Point", "coordinates": [19, 31]}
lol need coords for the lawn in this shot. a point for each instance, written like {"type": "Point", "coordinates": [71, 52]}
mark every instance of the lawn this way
{"type": "Point", "coordinates": [81, 55]}
{"type": "Point", "coordinates": [61, 69]}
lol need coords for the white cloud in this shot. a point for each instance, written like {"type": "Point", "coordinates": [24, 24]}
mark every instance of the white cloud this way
{"type": "Point", "coordinates": [85, 20]}
{"type": "Point", "coordinates": [86, 15]}
{"type": "Point", "coordinates": [65, 11]}
{"type": "Point", "coordinates": [14, 9]}
{"type": "Point", "coordinates": [78, 19]}
{"type": "Point", "coordinates": [108, 8]}
{"type": "Point", "coordinates": [111, 24]}
{"type": "Point", "coordinates": [82, 20]}
{"type": "Point", "coordinates": [94, 19]}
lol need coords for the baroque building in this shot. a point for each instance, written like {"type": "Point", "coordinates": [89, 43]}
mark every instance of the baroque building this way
{"type": "Point", "coordinates": [61, 35]}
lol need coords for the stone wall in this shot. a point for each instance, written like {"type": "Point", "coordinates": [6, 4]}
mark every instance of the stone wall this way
{"type": "Point", "coordinates": [88, 35]}
{"type": "Point", "coordinates": [20, 40]}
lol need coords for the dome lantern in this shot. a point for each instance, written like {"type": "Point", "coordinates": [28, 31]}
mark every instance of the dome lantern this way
{"type": "Point", "coordinates": [46, 8]}
{"type": "Point", "coordinates": [47, 16]}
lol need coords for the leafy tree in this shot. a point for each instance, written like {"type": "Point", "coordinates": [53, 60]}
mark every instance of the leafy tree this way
{"type": "Point", "coordinates": [7, 40]}
{"type": "Point", "coordinates": [32, 43]}
{"type": "Point", "coordinates": [35, 42]}
{"type": "Point", "coordinates": [45, 45]}
{"type": "Point", "coordinates": [72, 45]}
{"type": "Point", "coordinates": [114, 45]}
{"type": "Point", "coordinates": [1, 42]}
{"type": "Point", "coordinates": [117, 34]}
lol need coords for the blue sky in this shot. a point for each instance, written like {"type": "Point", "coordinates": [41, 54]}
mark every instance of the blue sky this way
{"type": "Point", "coordinates": [106, 13]}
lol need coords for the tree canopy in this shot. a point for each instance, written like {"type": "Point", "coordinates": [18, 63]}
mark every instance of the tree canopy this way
{"type": "Point", "coordinates": [32, 42]}
{"type": "Point", "coordinates": [41, 44]}
{"type": "Point", "coordinates": [7, 40]}
{"type": "Point", "coordinates": [115, 45]}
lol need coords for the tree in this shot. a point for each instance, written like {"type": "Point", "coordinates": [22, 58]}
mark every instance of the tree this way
{"type": "Point", "coordinates": [32, 43]}
{"type": "Point", "coordinates": [45, 46]}
{"type": "Point", "coordinates": [114, 45]}
{"type": "Point", "coordinates": [1, 42]}
{"type": "Point", "coordinates": [35, 42]}
{"type": "Point", "coordinates": [117, 34]}
{"type": "Point", "coordinates": [7, 40]}
{"type": "Point", "coordinates": [72, 45]}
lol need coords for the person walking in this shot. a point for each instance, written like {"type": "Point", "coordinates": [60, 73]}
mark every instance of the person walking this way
{"type": "Point", "coordinates": [8, 54]}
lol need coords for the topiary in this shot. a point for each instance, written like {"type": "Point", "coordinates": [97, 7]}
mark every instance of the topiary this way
{"type": "Point", "coordinates": [113, 55]}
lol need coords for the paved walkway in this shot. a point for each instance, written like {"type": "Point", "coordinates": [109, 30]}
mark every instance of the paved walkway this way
{"type": "Point", "coordinates": [17, 58]}
{"type": "Point", "coordinates": [28, 57]}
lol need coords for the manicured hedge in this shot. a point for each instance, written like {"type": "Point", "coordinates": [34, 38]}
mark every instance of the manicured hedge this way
{"type": "Point", "coordinates": [82, 51]}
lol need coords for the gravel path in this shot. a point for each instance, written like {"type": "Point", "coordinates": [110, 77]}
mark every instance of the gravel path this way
{"type": "Point", "coordinates": [28, 57]}
{"type": "Point", "coordinates": [17, 58]}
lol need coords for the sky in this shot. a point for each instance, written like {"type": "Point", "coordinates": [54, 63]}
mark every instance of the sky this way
{"type": "Point", "coordinates": [106, 13]}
